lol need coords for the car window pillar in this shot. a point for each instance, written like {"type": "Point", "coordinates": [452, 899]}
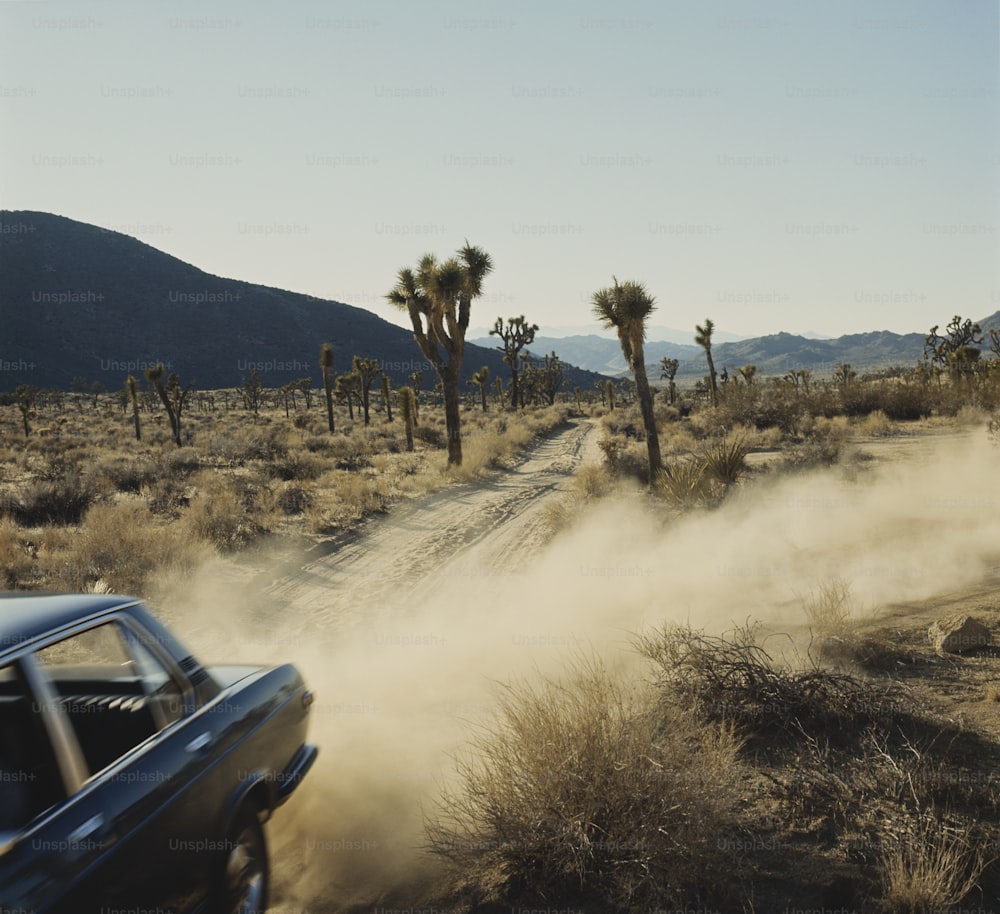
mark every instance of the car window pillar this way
{"type": "Point", "coordinates": [72, 766]}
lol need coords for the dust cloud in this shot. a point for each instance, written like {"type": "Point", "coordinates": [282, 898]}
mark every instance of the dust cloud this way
{"type": "Point", "coordinates": [400, 686]}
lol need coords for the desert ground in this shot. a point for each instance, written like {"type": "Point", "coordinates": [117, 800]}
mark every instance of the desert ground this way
{"type": "Point", "coordinates": [407, 624]}
{"type": "Point", "coordinates": [412, 620]}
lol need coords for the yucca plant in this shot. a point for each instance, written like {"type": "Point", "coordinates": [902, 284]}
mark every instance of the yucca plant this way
{"type": "Point", "coordinates": [687, 484]}
{"type": "Point", "coordinates": [725, 460]}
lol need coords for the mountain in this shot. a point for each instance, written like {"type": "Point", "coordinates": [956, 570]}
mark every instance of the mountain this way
{"type": "Point", "coordinates": [600, 354]}
{"type": "Point", "coordinates": [79, 301]}
{"type": "Point", "coordinates": [775, 354]}
{"type": "Point", "coordinates": [653, 331]}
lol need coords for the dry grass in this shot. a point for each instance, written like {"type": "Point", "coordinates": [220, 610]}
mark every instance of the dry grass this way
{"type": "Point", "coordinates": [928, 865]}
{"type": "Point", "coordinates": [830, 608]}
{"type": "Point", "coordinates": [119, 547]}
{"type": "Point", "coordinates": [876, 425]}
{"type": "Point", "coordinates": [585, 790]}
{"type": "Point", "coordinates": [235, 480]}
{"type": "Point", "coordinates": [15, 556]}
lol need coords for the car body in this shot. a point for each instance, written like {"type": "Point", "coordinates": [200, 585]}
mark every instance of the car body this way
{"type": "Point", "coordinates": [131, 776]}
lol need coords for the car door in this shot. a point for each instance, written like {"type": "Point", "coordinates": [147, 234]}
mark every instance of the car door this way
{"type": "Point", "coordinates": [132, 831]}
{"type": "Point", "coordinates": [45, 836]}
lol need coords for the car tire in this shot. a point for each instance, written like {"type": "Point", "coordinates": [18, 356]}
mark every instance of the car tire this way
{"type": "Point", "coordinates": [245, 877]}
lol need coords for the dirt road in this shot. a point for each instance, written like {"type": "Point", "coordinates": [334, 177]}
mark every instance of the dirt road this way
{"type": "Point", "coordinates": [384, 626]}
{"type": "Point", "coordinates": [475, 530]}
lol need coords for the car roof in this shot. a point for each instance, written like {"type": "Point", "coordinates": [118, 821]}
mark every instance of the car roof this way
{"type": "Point", "coordinates": [26, 616]}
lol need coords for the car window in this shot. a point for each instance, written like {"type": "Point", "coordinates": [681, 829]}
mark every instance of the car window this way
{"type": "Point", "coordinates": [115, 692]}
{"type": "Point", "coordinates": [165, 695]}
{"type": "Point", "coordinates": [29, 777]}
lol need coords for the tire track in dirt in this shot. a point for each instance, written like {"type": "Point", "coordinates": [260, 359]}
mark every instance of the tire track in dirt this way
{"type": "Point", "coordinates": [475, 529]}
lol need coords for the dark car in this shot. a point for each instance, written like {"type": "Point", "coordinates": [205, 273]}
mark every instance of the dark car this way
{"type": "Point", "coordinates": [131, 776]}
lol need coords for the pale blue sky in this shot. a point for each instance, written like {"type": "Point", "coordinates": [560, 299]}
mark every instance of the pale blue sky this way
{"type": "Point", "coordinates": [775, 165]}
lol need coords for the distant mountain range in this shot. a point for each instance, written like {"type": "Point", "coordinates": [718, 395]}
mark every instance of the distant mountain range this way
{"type": "Point", "coordinates": [79, 301]}
{"type": "Point", "coordinates": [776, 354]}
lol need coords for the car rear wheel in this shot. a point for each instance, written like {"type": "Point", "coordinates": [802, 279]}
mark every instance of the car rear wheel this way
{"type": "Point", "coordinates": [245, 876]}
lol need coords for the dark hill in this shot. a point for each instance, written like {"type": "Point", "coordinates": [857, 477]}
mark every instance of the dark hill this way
{"type": "Point", "coordinates": [79, 301]}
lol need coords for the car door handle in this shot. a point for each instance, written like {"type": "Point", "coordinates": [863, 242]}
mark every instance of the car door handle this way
{"type": "Point", "coordinates": [199, 742]}
{"type": "Point", "coordinates": [85, 830]}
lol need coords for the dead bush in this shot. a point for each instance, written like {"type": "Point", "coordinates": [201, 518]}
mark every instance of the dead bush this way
{"type": "Point", "coordinates": [224, 512]}
{"type": "Point", "coordinates": [16, 560]}
{"type": "Point", "coordinates": [118, 547]}
{"type": "Point", "coordinates": [50, 502]}
{"type": "Point", "coordinates": [585, 789]}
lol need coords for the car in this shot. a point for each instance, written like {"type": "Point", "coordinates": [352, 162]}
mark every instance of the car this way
{"type": "Point", "coordinates": [132, 777]}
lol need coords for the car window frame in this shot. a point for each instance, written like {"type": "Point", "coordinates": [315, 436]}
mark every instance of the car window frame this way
{"type": "Point", "coordinates": [59, 726]}
{"type": "Point", "coordinates": [77, 783]}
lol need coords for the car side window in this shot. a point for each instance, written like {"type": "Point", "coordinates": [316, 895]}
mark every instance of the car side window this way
{"type": "Point", "coordinates": [165, 695]}
{"type": "Point", "coordinates": [29, 776]}
{"type": "Point", "coordinates": [115, 692]}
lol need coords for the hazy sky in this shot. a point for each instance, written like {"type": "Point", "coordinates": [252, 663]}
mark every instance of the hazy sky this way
{"type": "Point", "coordinates": [793, 166]}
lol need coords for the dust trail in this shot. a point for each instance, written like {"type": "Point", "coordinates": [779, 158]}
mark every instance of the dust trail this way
{"type": "Point", "coordinates": [398, 687]}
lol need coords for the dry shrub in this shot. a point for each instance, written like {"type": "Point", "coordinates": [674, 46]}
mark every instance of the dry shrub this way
{"type": "Point", "coordinates": [970, 416]}
{"type": "Point", "coordinates": [830, 608]}
{"type": "Point", "coordinates": [731, 678]}
{"type": "Point", "coordinates": [876, 425]}
{"type": "Point", "coordinates": [51, 502]}
{"type": "Point", "coordinates": [585, 790]}
{"type": "Point", "coordinates": [676, 438]}
{"type": "Point", "coordinates": [770, 437]}
{"type": "Point", "coordinates": [296, 464]}
{"type": "Point", "coordinates": [928, 865]}
{"type": "Point", "coordinates": [117, 547]}
{"type": "Point", "coordinates": [592, 481]}
{"type": "Point", "coordinates": [291, 498]}
{"type": "Point", "coordinates": [343, 498]}
{"type": "Point", "coordinates": [16, 560]}
{"type": "Point", "coordinates": [246, 443]}
{"type": "Point", "coordinates": [224, 512]}
{"type": "Point", "coordinates": [123, 474]}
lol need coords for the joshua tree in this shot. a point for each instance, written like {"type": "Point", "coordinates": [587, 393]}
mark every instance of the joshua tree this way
{"type": "Point", "coordinates": [551, 379]}
{"type": "Point", "coordinates": [626, 306]}
{"type": "Point", "coordinates": [367, 371]}
{"type": "Point", "coordinates": [516, 335]}
{"type": "Point", "coordinates": [346, 389]}
{"type": "Point", "coordinates": [304, 385]}
{"type": "Point", "coordinates": [703, 337]}
{"type": "Point", "coordinates": [178, 397]}
{"type": "Point", "coordinates": [668, 371]}
{"type": "Point", "coordinates": [482, 378]}
{"type": "Point", "coordinates": [326, 365]}
{"type": "Point", "coordinates": [748, 373]}
{"type": "Point", "coordinates": [408, 407]}
{"type": "Point", "coordinates": [500, 396]}
{"type": "Point", "coordinates": [962, 336]}
{"type": "Point", "coordinates": [438, 298]}
{"type": "Point", "coordinates": [26, 404]}
{"type": "Point", "coordinates": [133, 394]}
{"type": "Point", "coordinates": [609, 393]}
{"type": "Point", "coordinates": [252, 392]}
{"type": "Point", "coordinates": [386, 401]}
{"type": "Point", "coordinates": [155, 377]}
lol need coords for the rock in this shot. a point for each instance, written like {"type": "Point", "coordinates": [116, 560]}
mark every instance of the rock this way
{"type": "Point", "coordinates": [958, 634]}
